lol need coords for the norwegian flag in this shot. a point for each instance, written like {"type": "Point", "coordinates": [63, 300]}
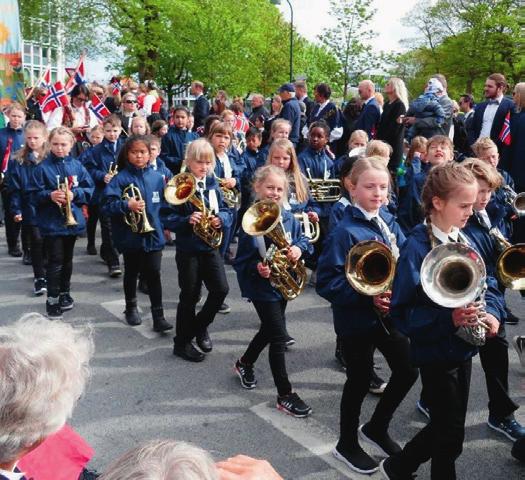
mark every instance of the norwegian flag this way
{"type": "Point", "coordinates": [98, 108]}
{"type": "Point", "coordinates": [45, 79]}
{"type": "Point", "coordinates": [78, 77]}
{"type": "Point", "coordinates": [504, 135]}
{"type": "Point", "coordinates": [56, 97]}
{"type": "Point", "coordinates": [241, 124]}
{"type": "Point", "coordinates": [117, 87]}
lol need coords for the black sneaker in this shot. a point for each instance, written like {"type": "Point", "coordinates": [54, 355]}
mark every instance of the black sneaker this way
{"type": "Point", "coordinates": [15, 252]}
{"type": "Point", "coordinates": [40, 286]}
{"type": "Point", "coordinates": [389, 472]}
{"type": "Point", "coordinates": [423, 408]}
{"type": "Point", "coordinates": [377, 384]}
{"type": "Point", "coordinates": [53, 311]}
{"type": "Point", "coordinates": [519, 345]}
{"type": "Point", "coordinates": [26, 259]}
{"type": "Point", "coordinates": [115, 271]}
{"type": "Point", "coordinates": [511, 318]}
{"type": "Point", "coordinates": [293, 405]}
{"type": "Point", "coordinates": [66, 301]}
{"type": "Point", "coordinates": [91, 250]}
{"type": "Point", "coordinates": [225, 308]}
{"type": "Point", "coordinates": [188, 352]}
{"type": "Point", "coordinates": [246, 375]}
{"type": "Point", "coordinates": [289, 341]}
{"type": "Point", "coordinates": [357, 460]}
{"type": "Point", "coordinates": [382, 442]}
{"type": "Point", "coordinates": [507, 426]}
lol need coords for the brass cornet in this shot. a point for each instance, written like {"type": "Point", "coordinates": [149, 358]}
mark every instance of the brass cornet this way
{"type": "Point", "coordinates": [113, 169]}
{"type": "Point", "coordinates": [138, 221]}
{"type": "Point", "coordinates": [66, 208]}
{"type": "Point", "coordinates": [510, 266]}
{"type": "Point", "coordinates": [515, 200]}
{"type": "Point", "coordinates": [264, 218]}
{"type": "Point", "coordinates": [309, 228]}
{"type": "Point", "coordinates": [181, 189]}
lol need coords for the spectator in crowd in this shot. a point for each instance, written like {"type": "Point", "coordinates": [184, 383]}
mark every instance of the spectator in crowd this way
{"type": "Point", "coordinates": [291, 111]}
{"type": "Point", "coordinates": [323, 108]}
{"type": "Point", "coordinates": [462, 124]}
{"type": "Point", "coordinates": [128, 111]}
{"type": "Point", "coordinates": [201, 109]}
{"type": "Point", "coordinates": [368, 119]}
{"type": "Point", "coordinates": [301, 92]}
{"type": "Point", "coordinates": [220, 103]}
{"type": "Point", "coordinates": [258, 108]}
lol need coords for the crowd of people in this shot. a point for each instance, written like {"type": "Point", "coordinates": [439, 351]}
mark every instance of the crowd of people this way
{"type": "Point", "coordinates": [279, 194]}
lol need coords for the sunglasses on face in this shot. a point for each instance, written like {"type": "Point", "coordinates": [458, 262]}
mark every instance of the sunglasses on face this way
{"type": "Point", "coordinates": [130, 101]}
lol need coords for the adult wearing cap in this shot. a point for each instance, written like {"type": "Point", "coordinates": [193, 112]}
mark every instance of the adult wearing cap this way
{"type": "Point", "coordinates": [291, 111]}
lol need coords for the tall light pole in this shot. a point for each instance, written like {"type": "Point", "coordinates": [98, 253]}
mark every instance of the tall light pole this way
{"type": "Point", "coordinates": [278, 2]}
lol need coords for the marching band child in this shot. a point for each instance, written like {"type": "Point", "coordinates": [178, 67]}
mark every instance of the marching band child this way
{"type": "Point", "coordinates": [358, 139]}
{"type": "Point", "coordinates": [142, 251]}
{"type": "Point", "coordinates": [357, 320]}
{"type": "Point", "coordinates": [175, 142]}
{"type": "Point", "coordinates": [280, 128]}
{"type": "Point", "coordinates": [96, 135]}
{"type": "Point", "coordinates": [139, 126]}
{"type": "Point", "coordinates": [494, 354]}
{"type": "Point", "coordinates": [101, 163]}
{"type": "Point", "coordinates": [21, 209]}
{"type": "Point", "coordinates": [197, 261]}
{"type": "Point", "coordinates": [155, 161]}
{"type": "Point", "coordinates": [53, 203]}
{"type": "Point", "coordinates": [270, 183]}
{"type": "Point", "coordinates": [444, 359]}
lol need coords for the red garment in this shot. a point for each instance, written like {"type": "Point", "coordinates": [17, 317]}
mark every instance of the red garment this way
{"type": "Point", "coordinates": [155, 108]}
{"type": "Point", "coordinates": [140, 100]}
{"type": "Point", "coordinates": [241, 124]}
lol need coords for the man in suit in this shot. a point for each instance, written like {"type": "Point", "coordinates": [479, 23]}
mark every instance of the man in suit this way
{"type": "Point", "coordinates": [370, 114]}
{"type": "Point", "coordinates": [301, 92]}
{"type": "Point", "coordinates": [462, 124]}
{"type": "Point", "coordinates": [323, 108]}
{"type": "Point", "coordinates": [258, 108]}
{"type": "Point", "coordinates": [201, 109]}
{"type": "Point", "coordinates": [291, 111]}
{"type": "Point", "coordinates": [489, 116]}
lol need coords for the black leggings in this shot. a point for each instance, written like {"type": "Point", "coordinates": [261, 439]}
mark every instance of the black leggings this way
{"type": "Point", "coordinates": [59, 250]}
{"type": "Point", "coordinates": [272, 331]}
{"type": "Point", "coordinates": [12, 228]}
{"type": "Point", "coordinates": [31, 234]}
{"type": "Point", "coordinates": [148, 264]}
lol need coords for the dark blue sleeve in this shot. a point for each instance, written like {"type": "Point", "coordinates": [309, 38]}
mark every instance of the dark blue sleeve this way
{"type": "Point", "coordinates": [368, 120]}
{"type": "Point", "coordinates": [38, 192]}
{"type": "Point", "coordinates": [298, 238]}
{"type": "Point", "coordinates": [84, 191]}
{"type": "Point", "coordinates": [14, 188]}
{"type": "Point", "coordinates": [92, 165]}
{"type": "Point", "coordinates": [176, 218]}
{"type": "Point", "coordinates": [112, 203]}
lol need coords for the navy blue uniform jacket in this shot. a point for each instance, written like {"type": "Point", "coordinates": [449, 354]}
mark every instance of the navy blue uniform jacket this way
{"type": "Point", "coordinates": [428, 325]}
{"type": "Point", "coordinates": [353, 312]}
{"type": "Point", "coordinates": [50, 219]}
{"type": "Point", "coordinates": [252, 285]}
{"type": "Point", "coordinates": [174, 145]}
{"type": "Point", "coordinates": [177, 219]}
{"type": "Point", "coordinates": [151, 186]}
{"type": "Point", "coordinates": [500, 212]}
{"type": "Point", "coordinates": [18, 183]}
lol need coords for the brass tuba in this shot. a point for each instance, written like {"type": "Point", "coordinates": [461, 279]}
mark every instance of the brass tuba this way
{"type": "Point", "coordinates": [138, 221]}
{"type": "Point", "coordinates": [515, 200]}
{"type": "Point", "coordinates": [264, 218]}
{"type": "Point", "coordinates": [370, 267]}
{"type": "Point", "coordinates": [324, 190]}
{"type": "Point", "coordinates": [181, 189]}
{"type": "Point", "coordinates": [66, 209]}
{"type": "Point", "coordinates": [309, 228]}
{"type": "Point", "coordinates": [453, 275]}
{"type": "Point", "coordinates": [510, 266]}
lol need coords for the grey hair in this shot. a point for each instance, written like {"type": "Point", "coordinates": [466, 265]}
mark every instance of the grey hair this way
{"type": "Point", "coordinates": [163, 460]}
{"type": "Point", "coordinates": [44, 367]}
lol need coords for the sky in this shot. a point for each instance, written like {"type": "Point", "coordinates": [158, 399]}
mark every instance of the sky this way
{"type": "Point", "coordinates": [311, 17]}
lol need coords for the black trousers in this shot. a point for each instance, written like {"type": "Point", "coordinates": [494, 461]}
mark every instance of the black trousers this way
{"type": "Point", "coordinates": [441, 440]}
{"type": "Point", "coordinates": [12, 228]}
{"type": "Point", "coordinates": [272, 331]}
{"type": "Point", "coordinates": [358, 351]}
{"type": "Point", "coordinates": [107, 250]}
{"type": "Point", "coordinates": [59, 250]}
{"type": "Point", "coordinates": [228, 233]}
{"type": "Point", "coordinates": [148, 265]}
{"type": "Point", "coordinates": [194, 268]}
{"type": "Point", "coordinates": [35, 245]}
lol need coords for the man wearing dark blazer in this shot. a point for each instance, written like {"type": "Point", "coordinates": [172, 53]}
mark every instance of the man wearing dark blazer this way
{"type": "Point", "coordinates": [201, 109]}
{"type": "Point", "coordinates": [301, 94]}
{"type": "Point", "coordinates": [368, 119]}
{"type": "Point", "coordinates": [489, 115]}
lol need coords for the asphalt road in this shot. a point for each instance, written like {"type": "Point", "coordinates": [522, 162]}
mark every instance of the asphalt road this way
{"type": "Point", "coordinates": [140, 391]}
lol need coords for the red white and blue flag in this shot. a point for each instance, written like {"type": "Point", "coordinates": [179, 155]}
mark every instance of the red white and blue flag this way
{"type": "Point", "coordinates": [45, 79]}
{"type": "Point", "coordinates": [78, 77]}
{"type": "Point", "coordinates": [98, 108]}
{"type": "Point", "coordinates": [504, 135]}
{"type": "Point", "coordinates": [56, 97]}
{"type": "Point", "coordinates": [117, 88]}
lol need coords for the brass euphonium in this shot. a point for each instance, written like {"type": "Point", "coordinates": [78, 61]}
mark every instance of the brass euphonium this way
{"type": "Point", "coordinates": [264, 218]}
{"type": "Point", "coordinates": [370, 267]}
{"type": "Point", "coordinates": [515, 200]}
{"type": "Point", "coordinates": [510, 266]}
{"type": "Point", "coordinates": [453, 275]}
{"type": "Point", "coordinates": [66, 208]}
{"type": "Point", "coordinates": [138, 221]}
{"type": "Point", "coordinates": [309, 228]}
{"type": "Point", "coordinates": [181, 189]}
{"type": "Point", "coordinates": [324, 190]}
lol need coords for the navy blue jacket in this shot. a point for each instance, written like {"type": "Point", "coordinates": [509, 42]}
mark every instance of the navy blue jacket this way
{"type": "Point", "coordinates": [201, 110]}
{"type": "Point", "coordinates": [151, 186]}
{"type": "Point", "coordinates": [160, 167]}
{"type": "Point", "coordinates": [97, 161]}
{"type": "Point", "coordinates": [504, 107]}
{"type": "Point", "coordinates": [330, 114]}
{"type": "Point", "coordinates": [428, 325]}
{"type": "Point", "coordinates": [368, 119]}
{"type": "Point", "coordinates": [177, 219]}
{"type": "Point", "coordinates": [292, 112]}
{"type": "Point", "coordinates": [516, 158]}
{"type": "Point", "coordinates": [18, 184]}
{"type": "Point", "coordinates": [353, 312]}
{"type": "Point", "coordinates": [338, 211]}
{"type": "Point", "coordinates": [410, 212]}
{"type": "Point", "coordinates": [251, 160]}
{"type": "Point", "coordinates": [50, 219]}
{"type": "Point", "coordinates": [252, 285]}
{"type": "Point", "coordinates": [500, 212]}
{"type": "Point", "coordinates": [309, 205]}
{"type": "Point", "coordinates": [18, 141]}
{"type": "Point", "coordinates": [317, 162]}
{"type": "Point", "coordinates": [174, 145]}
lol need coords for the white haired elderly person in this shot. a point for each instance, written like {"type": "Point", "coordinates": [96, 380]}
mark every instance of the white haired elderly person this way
{"type": "Point", "coordinates": [44, 367]}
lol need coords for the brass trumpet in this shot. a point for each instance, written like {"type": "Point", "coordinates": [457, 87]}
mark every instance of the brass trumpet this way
{"type": "Point", "coordinates": [515, 200]}
{"type": "Point", "coordinates": [181, 189]}
{"type": "Point", "coordinates": [324, 190]}
{"type": "Point", "coordinates": [510, 266]}
{"type": "Point", "coordinates": [138, 221]}
{"type": "Point", "coordinates": [309, 228]}
{"type": "Point", "coordinates": [66, 208]}
{"type": "Point", "coordinates": [264, 218]}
